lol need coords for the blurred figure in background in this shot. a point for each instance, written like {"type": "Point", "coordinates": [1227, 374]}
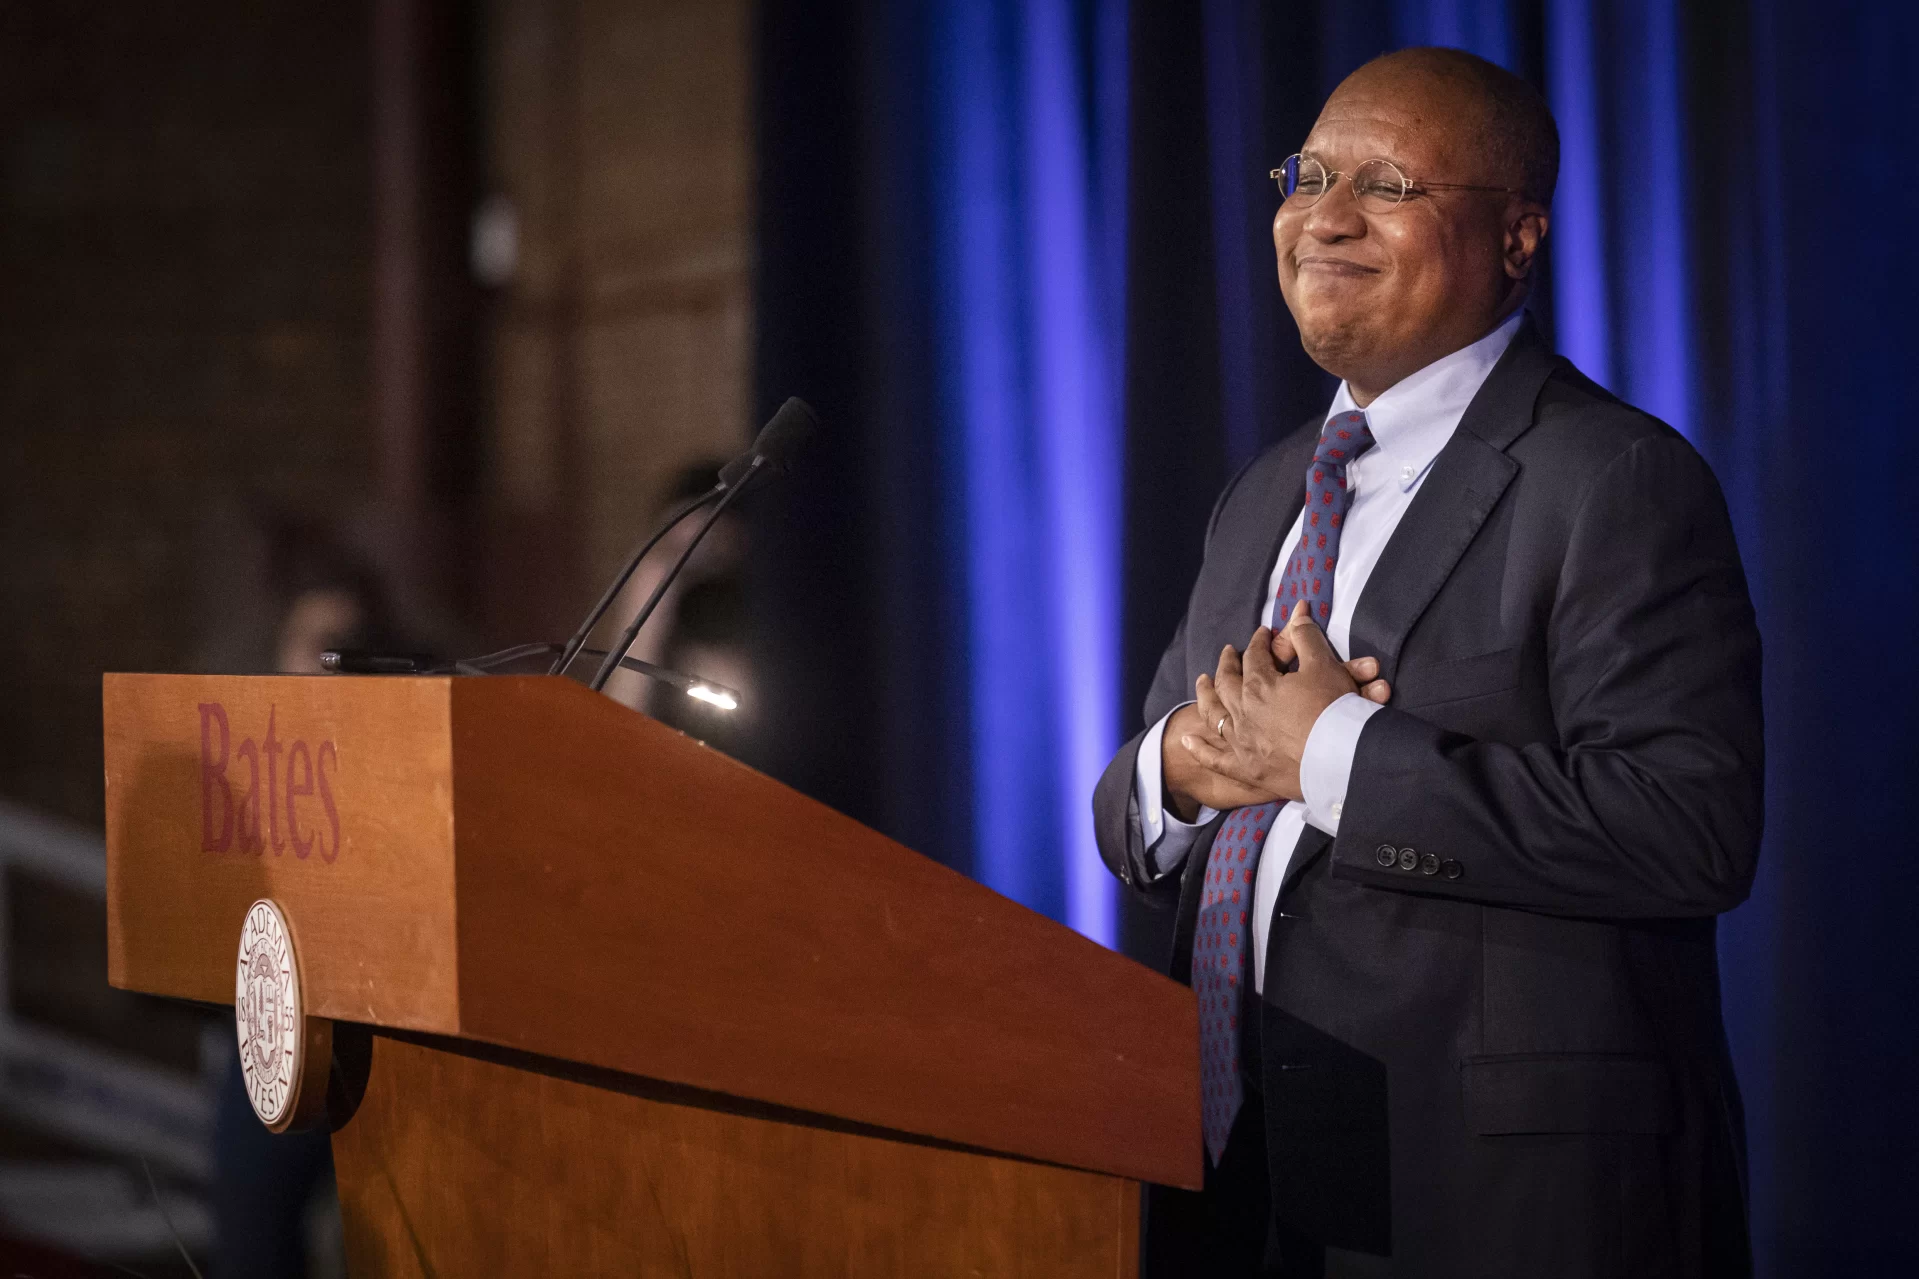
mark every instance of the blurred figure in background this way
{"type": "Point", "coordinates": [333, 599]}
{"type": "Point", "coordinates": [275, 1209]}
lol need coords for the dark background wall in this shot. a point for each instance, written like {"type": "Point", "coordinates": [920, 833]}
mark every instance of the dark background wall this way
{"type": "Point", "coordinates": [242, 306]}
{"type": "Point", "coordinates": [184, 263]}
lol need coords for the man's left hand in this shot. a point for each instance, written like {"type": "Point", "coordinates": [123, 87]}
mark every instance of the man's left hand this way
{"type": "Point", "coordinates": [1269, 713]}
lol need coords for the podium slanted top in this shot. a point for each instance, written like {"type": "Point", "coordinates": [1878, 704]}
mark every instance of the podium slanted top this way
{"type": "Point", "coordinates": [520, 862]}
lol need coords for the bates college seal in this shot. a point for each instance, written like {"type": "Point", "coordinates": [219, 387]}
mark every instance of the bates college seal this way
{"type": "Point", "coordinates": [269, 1017]}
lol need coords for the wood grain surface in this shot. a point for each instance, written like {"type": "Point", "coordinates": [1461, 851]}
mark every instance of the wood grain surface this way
{"type": "Point", "coordinates": [528, 864]}
{"type": "Point", "coordinates": [631, 899]}
{"type": "Point", "coordinates": [371, 908]}
{"type": "Point", "coordinates": [460, 1166]}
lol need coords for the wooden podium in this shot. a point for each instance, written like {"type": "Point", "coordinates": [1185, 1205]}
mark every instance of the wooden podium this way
{"type": "Point", "coordinates": [635, 1008]}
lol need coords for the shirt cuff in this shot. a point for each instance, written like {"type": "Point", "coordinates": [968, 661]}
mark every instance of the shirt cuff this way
{"type": "Point", "coordinates": [1326, 765]}
{"type": "Point", "coordinates": [1166, 838]}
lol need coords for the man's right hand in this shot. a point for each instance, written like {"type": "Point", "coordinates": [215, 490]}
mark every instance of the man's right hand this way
{"type": "Point", "coordinates": [1187, 785]}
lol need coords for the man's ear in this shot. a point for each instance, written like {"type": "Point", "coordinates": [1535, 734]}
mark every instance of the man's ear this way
{"type": "Point", "coordinates": [1525, 232]}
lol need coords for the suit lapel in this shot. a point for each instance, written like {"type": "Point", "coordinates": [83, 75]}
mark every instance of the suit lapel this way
{"type": "Point", "coordinates": [1467, 479]}
{"type": "Point", "coordinates": [1276, 490]}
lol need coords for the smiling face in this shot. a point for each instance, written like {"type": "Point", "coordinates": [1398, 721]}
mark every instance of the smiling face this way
{"type": "Point", "coordinates": [1380, 295]}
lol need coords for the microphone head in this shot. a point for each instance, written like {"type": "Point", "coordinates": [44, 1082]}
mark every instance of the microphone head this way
{"type": "Point", "coordinates": [787, 433]}
{"type": "Point", "coordinates": [776, 443]}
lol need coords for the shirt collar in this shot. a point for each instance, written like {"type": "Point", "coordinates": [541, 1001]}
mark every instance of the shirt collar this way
{"type": "Point", "coordinates": [1412, 419]}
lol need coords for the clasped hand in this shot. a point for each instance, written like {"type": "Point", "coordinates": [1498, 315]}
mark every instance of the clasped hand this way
{"type": "Point", "coordinates": [1241, 740]}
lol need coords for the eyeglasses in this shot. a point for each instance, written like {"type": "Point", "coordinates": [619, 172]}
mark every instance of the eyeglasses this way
{"type": "Point", "coordinates": [1379, 185]}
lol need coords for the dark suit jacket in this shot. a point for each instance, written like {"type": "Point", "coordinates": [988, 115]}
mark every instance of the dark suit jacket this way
{"type": "Point", "coordinates": [1520, 1070]}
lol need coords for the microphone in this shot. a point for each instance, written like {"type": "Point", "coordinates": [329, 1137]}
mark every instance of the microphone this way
{"type": "Point", "coordinates": [363, 661]}
{"type": "Point", "coordinates": [789, 428]}
{"type": "Point", "coordinates": [784, 434]}
{"type": "Point", "coordinates": [772, 452]}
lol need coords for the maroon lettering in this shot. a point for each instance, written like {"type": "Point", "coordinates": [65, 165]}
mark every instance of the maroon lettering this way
{"type": "Point", "coordinates": [249, 814]}
{"type": "Point", "coordinates": [299, 784]}
{"type": "Point", "coordinates": [213, 775]}
{"type": "Point", "coordinates": [270, 748]}
{"type": "Point", "coordinates": [267, 813]}
{"type": "Point", "coordinates": [325, 755]}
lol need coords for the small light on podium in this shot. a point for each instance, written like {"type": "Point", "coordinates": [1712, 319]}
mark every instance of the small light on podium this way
{"type": "Point", "coordinates": [712, 696]}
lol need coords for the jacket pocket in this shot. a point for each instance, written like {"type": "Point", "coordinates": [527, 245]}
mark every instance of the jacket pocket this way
{"type": "Point", "coordinates": [1459, 679]}
{"type": "Point", "coordinates": [1567, 1093]}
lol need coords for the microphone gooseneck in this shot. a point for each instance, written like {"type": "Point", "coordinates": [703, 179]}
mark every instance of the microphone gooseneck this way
{"type": "Point", "coordinates": [617, 652]}
{"type": "Point", "coordinates": [772, 449]}
{"type": "Point", "coordinates": [572, 647]}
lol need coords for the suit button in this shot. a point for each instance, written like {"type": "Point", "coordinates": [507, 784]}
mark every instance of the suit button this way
{"type": "Point", "coordinates": [1429, 864]}
{"type": "Point", "coordinates": [1451, 869]}
{"type": "Point", "coordinates": [1408, 859]}
{"type": "Point", "coordinates": [1386, 855]}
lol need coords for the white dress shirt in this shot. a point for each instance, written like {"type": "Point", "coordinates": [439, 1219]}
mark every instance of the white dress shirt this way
{"type": "Point", "coordinates": [1411, 423]}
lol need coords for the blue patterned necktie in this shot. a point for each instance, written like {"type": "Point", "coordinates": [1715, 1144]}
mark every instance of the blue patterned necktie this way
{"type": "Point", "coordinates": [1223, 937]}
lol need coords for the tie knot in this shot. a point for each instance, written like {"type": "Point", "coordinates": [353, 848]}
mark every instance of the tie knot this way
{"type": "Point", "coordinates": [1345, 438]}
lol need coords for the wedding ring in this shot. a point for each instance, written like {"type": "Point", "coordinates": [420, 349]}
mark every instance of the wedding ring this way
{"type": "Point", "coordinates": [1221, 730]}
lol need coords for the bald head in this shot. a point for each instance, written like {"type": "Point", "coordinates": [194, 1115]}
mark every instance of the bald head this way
{"type": "Point", "coordinates": [1501, 120]}
{"type": "Point", "coordinates": [1381, 286]}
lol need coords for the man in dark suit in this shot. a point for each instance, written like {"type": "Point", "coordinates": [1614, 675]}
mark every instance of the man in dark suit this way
{"type": "Point", "coordinates": [1447, 890]}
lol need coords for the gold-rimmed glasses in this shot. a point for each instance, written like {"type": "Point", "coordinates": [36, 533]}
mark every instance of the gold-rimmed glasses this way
{"type": "Point", "coordinates": [1379, 185]}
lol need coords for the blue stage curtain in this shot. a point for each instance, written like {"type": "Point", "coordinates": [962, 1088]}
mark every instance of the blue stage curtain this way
{"type": "Point", "coordinates": [1027, 242]}
{"type": "Point", "coordinates": [1018, 254]}
{"type": "Point", "coordinates": [980, 151]}
{"type": "Point", "coordinates": [1805, 327]}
